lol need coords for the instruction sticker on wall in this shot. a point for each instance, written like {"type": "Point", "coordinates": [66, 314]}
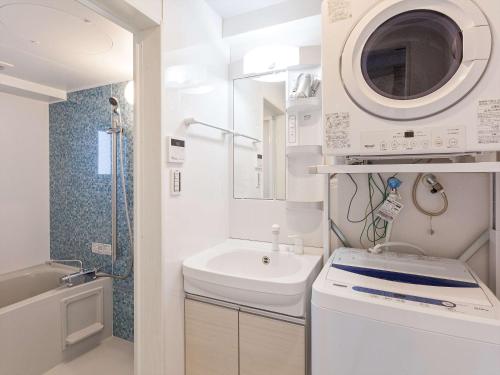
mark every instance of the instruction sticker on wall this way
{"type": "Point", "coordinates": [488, 117]}
{"type": "Point", "coordinates": [338, 130]}
{"type": "Point", "coordinates": [339, 10]}
{"type": "Point", "coordinates": [390, 209]}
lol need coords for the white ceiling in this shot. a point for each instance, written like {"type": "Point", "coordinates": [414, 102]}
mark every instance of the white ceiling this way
{"type": "Point", "coordinates": [231, 8]}
{"type": "Point", "coordinates": [62, 44]}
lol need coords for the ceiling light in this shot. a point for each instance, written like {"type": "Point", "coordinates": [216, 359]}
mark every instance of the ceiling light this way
{"type": "Point", "coordinates": [129, 93]}
{"type": "Point", "coordinates": [270, 58]}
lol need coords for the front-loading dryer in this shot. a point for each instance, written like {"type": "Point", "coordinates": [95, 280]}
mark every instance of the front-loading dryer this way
{"type": "Point", "coordinates": [411, 76]}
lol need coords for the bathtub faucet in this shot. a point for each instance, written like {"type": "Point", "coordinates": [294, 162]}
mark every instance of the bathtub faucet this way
{"type": "Point", "coordinates": [77, 278]}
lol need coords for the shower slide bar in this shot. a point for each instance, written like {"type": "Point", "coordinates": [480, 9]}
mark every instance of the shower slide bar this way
{"type": "Point", "coordinates": [192, 121]}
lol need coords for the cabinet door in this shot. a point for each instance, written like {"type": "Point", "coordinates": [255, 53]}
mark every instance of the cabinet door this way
{"type": "Point", "coordinates": [211, 339]}
{"type": "Point", "coordinates": [271, 347]}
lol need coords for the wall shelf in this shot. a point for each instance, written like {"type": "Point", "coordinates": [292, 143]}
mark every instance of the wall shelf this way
{"type": "Point", "coordinates": [480, 167]}
{"type": "Point", "coordinates": [294, 204]}
{"type": "Point", "coordinates": [304, 104]}
{"type": "Point", "coordinates": [304, 149]}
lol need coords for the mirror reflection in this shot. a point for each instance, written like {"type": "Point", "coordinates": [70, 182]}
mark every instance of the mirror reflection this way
{"type": "Point", "coordinates": [259, 112]}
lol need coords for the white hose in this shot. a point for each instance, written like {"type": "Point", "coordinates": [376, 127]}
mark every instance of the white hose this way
{"type": "Point", "coordinates": [423, 210]}
{"type": "Point", "coordinates": [377, 249]}
{"type": "Point", "coordinates": [127, 212]}
{"type": "Point", "coordinates": [124, 191]}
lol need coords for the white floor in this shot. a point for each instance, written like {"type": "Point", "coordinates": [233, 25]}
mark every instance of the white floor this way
{"type": "Point", "coordinates": [113, 356]}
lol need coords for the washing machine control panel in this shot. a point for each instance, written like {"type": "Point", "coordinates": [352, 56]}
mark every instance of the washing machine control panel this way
{"type": "Point", "coordinates": [425, 302]}
{"type": "Point", "coordinates": [413, 141]}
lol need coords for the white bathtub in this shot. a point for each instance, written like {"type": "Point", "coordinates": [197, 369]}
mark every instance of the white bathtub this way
{"type": "Point", "coordinates": [43, 324]}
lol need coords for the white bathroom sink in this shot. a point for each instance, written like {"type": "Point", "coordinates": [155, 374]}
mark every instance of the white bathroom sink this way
{"type": "Point", "coordinates": [248, 273]}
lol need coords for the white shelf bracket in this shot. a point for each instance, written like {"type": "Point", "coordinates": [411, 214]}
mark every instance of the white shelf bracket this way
{"type": "Point", "coordinates": [494, 250]}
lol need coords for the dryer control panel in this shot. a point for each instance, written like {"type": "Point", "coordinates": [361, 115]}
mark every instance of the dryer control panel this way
{"type": "Point", "coordinates": [413, 141]}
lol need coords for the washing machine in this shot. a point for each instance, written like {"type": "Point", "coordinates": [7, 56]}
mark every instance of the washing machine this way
{"type": "Point", "coordinates": [397, 314]}
{"type": "Point", "coordinates": [411, 76]}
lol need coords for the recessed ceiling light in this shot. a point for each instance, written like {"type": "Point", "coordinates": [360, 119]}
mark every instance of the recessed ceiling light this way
{"type": "Point", "coordinates": [5, 65]}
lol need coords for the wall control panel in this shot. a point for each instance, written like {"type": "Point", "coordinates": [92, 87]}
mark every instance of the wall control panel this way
{"type": "Point", "coordinates": [101, 248]}
{"type": "Point", "coordinates": [176, 149]}
{"type": "Point", "coordinates": [259, 161]}
{"type": "Point", "coordinates": [414, 141]}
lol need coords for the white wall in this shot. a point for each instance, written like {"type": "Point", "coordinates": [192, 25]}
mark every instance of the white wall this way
{"type": "Point", "coordinates": [466, 219]}
{"type": "Point", "coordinates": [24, 182]}
{"type": "Point", "coordinates": [198, 218]}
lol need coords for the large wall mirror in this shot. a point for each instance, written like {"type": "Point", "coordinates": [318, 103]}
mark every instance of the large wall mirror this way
{"type": "Point", "coordinates": [259, 117]}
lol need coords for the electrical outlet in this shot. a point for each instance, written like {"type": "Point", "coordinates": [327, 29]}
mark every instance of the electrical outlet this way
{"type": "Point", "coordinates": [101, 248]}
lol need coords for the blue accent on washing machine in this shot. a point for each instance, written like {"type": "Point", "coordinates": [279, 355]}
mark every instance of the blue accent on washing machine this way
{"type": "Point", "coordinates": [405, 277]}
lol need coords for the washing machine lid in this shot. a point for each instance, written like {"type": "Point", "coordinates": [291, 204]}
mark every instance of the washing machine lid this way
{"type": "Point", "coordinates": [405, 268]}
{"type": "Point", "coordinates": [409, 59]}
{"type": "Point", "coordinates": [427, 279]}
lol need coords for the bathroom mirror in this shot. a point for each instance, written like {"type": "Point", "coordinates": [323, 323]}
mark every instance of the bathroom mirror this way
{"type": "Point", "coordinates": [259, 120]}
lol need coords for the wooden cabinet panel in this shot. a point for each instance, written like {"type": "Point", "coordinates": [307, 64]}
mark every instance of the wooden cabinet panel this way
{"type": "Point", "coordinates": [271, 347]}
{"type": "Point", "coordinates": [211, 339]}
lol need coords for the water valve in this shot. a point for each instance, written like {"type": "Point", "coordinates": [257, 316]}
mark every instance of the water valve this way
{"type": "Point", "coordinates": [432, 183]}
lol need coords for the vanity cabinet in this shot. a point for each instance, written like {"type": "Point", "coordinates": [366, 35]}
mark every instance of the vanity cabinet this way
{"type": "Point", "coordinates": [211, 335]}
{"type": "Point", "coordinates": [270, 346]}
{"type": "Point", "coordinates": [233, 340]}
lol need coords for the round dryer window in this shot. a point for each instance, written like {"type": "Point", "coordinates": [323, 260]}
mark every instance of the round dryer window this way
{"type": "Point", "coordinates": [412, 55]}
{"type": "Point", "coordinates": [408, 59]}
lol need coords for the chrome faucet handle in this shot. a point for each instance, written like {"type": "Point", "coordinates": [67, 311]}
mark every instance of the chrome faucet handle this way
{"type": "Point", "coordinates": [77, 278]}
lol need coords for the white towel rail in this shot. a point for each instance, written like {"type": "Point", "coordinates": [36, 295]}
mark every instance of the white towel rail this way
{"type": "Point", "coordinates": [192, 121]}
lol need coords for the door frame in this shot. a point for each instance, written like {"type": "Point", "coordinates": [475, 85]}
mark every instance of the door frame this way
{"type": "Point", "coordinates": [148, 83]}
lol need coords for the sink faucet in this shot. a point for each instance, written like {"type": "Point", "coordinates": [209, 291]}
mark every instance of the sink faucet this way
{"type": "Point", "coordinates": [276, 237]}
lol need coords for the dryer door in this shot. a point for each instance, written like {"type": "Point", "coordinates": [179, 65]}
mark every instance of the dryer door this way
{"type": "Point", "coordinates": [410, 59]}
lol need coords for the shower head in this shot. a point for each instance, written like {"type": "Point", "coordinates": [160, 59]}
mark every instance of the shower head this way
{"type": "Point", "coordinates": [115, 103]}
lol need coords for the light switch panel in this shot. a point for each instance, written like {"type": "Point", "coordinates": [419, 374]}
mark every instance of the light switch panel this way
{"type": "Point", "coordinates": [175, 181]}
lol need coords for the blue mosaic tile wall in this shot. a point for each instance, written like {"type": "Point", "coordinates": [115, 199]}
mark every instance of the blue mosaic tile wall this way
{"type": "Point", "coordinates": [80, 189]}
